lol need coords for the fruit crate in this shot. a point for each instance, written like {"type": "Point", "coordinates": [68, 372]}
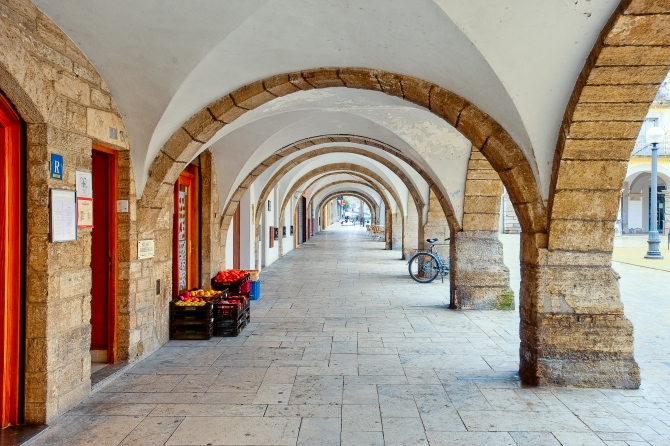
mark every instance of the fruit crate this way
{"type": "Point", "coordinates": [231, 310]}
{"type": "Point", "coordinates": [241, 286]}
{"type": "Point", "coordinates": [231, 328]}
{"type": "Point", "coordinates": [181, 331]}
{"type": "Point", "coordinates": [191, 313]}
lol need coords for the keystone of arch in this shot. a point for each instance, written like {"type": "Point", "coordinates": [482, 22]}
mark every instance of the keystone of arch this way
{"type": "Point", "coordinates": [485, 134]}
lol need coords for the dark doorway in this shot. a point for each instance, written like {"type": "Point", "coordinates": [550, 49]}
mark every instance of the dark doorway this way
{"type": "Point", "coordinates": [301, 220]}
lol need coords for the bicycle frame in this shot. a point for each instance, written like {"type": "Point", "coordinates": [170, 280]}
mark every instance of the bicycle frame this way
{"type": "Point", "coordinates": [442, 265]}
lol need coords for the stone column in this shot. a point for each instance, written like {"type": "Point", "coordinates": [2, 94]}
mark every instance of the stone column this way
{"type": "Point", "coordinates": [396, 224]}
{"type": "Point", "coordinates": [573, 330]}
{"type": "Point", "coordinates": [411, 230]}
{"type": "Point", "coordinates": [667, 215]}
{"type": "Point", "coordinates": [479, 278]}
{"type": "Point", "coordinates": [436, 226]}
{"type": "Point", "coordinates": [388, 228]}
{"type": "Point", "coordinates": [624, 207]}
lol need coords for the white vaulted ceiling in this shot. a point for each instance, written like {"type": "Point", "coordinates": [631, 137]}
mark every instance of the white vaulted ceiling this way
{"type": "Point", "coordinates": [163, 60]}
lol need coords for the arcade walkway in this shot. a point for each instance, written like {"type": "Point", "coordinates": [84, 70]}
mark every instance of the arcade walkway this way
{"type": "Point", "coordinates": [345, 349]}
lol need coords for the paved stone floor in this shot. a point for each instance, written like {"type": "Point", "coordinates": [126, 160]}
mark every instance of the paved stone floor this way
{"type": "Point", "coordinates": [344, 348]}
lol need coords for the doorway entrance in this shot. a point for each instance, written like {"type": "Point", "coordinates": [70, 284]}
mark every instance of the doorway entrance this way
{"type": "Point", "coordinates": [660, 206]}
{"type": "Point", "coordinates": [103, 258]}
{"type": "Point", "coordinates": [11, 266]}
{"type": "Point", "coordinates": [184, 256]}
{"type": "Point", "coordinates": [301, 220]}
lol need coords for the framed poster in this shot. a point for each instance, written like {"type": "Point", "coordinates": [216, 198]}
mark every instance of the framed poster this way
{"type": "Point", "coordinates": [63, 213]}
{"type": "Point", "coordinates": [84, 212]}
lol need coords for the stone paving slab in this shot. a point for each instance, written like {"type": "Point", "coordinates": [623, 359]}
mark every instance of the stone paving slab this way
{"type": "Point", "coordinates": [373, 358]}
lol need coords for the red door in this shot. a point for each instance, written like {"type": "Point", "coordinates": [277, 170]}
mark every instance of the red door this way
{"type": "Point", "coordinates": [184, 237]}
{"type": "Point", "coordinates": [11, 247]}
{"type": "Point", "coordinates": [103, 248]}
{"type": "Point", "coordinates": [236, 239]}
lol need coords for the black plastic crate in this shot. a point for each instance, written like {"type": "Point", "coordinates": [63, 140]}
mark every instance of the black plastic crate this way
{"type": "Point", "coordinates": [233, 330]}
{"type": "Point", "coordinates": [202, 332]}
{"type": "Point", "coordinates": [191, 322]}
{"type": "Point", "coordinates": [233, 287]}
{"type": "Point", "coordinates": [246, 316]}
{"type": "Point", "coordinates": [231, 309]}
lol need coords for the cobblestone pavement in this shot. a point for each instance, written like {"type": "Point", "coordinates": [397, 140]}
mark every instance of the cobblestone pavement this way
{"type": "Point", "coordinates": [344, 348]}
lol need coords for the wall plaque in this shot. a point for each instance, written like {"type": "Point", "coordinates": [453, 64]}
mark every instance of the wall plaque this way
{"type": "Point", "coordinates": [145, 249]}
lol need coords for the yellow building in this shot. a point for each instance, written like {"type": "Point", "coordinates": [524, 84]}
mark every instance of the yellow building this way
{"type": "Point", "coordinates": [634, 214]}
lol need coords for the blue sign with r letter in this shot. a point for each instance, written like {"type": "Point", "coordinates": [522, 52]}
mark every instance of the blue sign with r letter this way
{"type": "Point", "coordinates": [56, 166]}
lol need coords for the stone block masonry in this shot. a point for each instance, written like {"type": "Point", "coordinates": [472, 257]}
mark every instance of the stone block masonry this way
{"type": "Point", "coordinates": [479, 278]}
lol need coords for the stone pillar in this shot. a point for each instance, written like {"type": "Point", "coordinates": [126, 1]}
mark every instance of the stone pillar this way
{"type": "Point", "coordinates": [436, 226]}
{"type": "Point", "coordinates": [573, 330]}
{"type": "Point", "coordinates": [388, 229]}
{"type": "Point", "coordinates": [666, 227]}
{"type": "Point", "coordinates": [479, 278]}
{"type": "Point", "coordinates": [395, 224]}
{"type": "Point", "coordinates": [411, 229]}
{"type": "Point", "coordinates": [624, 207]}
{"type": "Point", "coordinates": [212, 243]}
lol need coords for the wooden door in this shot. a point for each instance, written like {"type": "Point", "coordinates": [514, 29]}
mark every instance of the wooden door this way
{"type": "Point", "coordinates": [11, 268]}
{"type": "Point", "coordinates": [103, 253]}
{"type": "Point", "coordinates": [236, 238]}
{"type": "Point", "coordinates": [184, 256]}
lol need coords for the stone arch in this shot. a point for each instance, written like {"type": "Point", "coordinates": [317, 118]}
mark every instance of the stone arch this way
{"type": "Point", "coordinates": [484, 132]}
{"type": "Point", "coordinates": [316, 193]}
{"type": "Point", "coordinates": [373, 209]}
{"type": "Point", "coordinates": [272, 182]}
{"type": "Point", "coordinates": [345, 167]}
{"type": "Point", "coordinates": [366, 198]}
{"type": "Point", "coordinates": [603, 117]}
{"type": "Point", "coordinates": [231, 205]}
{"type": "Point", "coordinates": [375, 187]}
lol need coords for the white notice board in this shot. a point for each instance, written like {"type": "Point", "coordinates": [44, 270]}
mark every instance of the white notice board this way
{"type": "Point", "coordinates": [63, 215]}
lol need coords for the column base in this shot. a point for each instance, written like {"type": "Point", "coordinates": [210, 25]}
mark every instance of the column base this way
{"type": "Point", "coordinates": [479, 278]}
{"type": "Point", "coordinates": [577, 350]}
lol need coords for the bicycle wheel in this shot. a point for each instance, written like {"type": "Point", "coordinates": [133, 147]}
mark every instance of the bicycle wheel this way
{"type": "Point", "coordinates": [423, 267]}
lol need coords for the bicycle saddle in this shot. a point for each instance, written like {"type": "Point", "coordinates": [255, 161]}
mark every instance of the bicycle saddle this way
{"type": "Point", "coordinates": [431, 240]}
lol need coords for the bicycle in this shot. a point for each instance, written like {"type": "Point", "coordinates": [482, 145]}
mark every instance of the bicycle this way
{"type": "Point", "coordinates": [424, 266]}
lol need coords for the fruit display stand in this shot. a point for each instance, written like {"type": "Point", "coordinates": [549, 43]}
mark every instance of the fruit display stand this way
{"type": "Point", "coordinates": [231, 315]}
{"type": "Point", "coordinates": [192, 317]}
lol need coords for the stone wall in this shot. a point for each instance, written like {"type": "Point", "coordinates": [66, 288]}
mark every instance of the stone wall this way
{"type": "Point", "coordinates": [67, 108]}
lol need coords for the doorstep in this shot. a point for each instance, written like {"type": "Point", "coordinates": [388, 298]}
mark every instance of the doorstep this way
{"type": "Point", "coordinates": [107, 374]}
{"type": "Point", "coordinates": [19, 435]}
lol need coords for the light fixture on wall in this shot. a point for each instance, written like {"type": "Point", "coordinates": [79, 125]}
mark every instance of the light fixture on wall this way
{"type": "Point", "coordinates": [654, 136]}
{"type": "Point", "coordinates": [269, 205]}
